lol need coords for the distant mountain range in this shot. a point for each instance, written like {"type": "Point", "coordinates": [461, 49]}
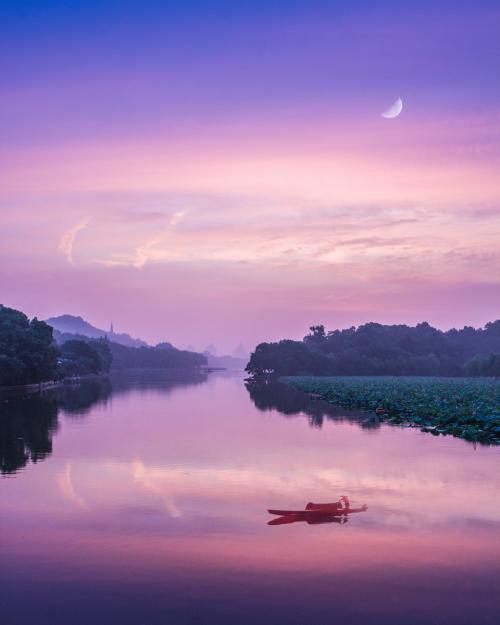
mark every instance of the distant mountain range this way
{"type": "Point", "coordinates": [67, 327]}
{"type": "Point", "coordinates": [70, 324]}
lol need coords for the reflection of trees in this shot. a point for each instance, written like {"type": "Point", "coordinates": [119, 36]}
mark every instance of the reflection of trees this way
{"type": "Point", "coordinates": [161, 380]}
{"type": "Point", "coordinates": [79, 399]}
{"type": "Point", "coordinates": [272, 395]}
{"type": "Point", "coordinates": [28, 423]}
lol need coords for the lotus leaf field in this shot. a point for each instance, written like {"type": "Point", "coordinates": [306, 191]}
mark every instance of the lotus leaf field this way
{"type": "Point", "coordinates": [463, 407]}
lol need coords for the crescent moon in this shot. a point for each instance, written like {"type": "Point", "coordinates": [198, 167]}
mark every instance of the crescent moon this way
{"type": "Point", "coordinates": [394, 110]}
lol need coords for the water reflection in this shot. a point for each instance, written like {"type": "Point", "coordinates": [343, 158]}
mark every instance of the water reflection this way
{"type": "Point", "coordinates": [271, 395]}
{"type": "Point", "coordinates": [155, 379]}
{"type": "Point", "coordinates": [27, 426]}
{"type": "Point", "coordinates": [28, 422]}
{"type": "Point", "coordinates": [78, 400]}
{"type": "Point", "coordinates": [151, 509]}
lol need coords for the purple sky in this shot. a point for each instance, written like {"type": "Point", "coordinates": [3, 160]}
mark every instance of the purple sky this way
{"type": "Point", "coordinates": [206, 173]}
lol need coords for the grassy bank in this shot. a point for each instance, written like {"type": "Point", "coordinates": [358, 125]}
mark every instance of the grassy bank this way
{"type": "Point", "coordinates": [463, 407]}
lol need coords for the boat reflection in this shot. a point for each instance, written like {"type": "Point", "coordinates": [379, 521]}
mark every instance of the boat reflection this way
{"type": "Point", "coordinates": [315, 513]}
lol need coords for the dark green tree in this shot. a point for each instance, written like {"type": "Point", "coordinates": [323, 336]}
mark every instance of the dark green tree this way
{"type": "Point", "coordinates": [27, 350]}
{"type": "Point", "coordinates": [376, 349]}
{"type": "Point", "coordinates": [80, 358]}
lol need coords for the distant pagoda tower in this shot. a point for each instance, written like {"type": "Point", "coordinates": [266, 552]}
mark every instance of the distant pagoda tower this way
{"type": "Point", "coordinates": [111, 331]}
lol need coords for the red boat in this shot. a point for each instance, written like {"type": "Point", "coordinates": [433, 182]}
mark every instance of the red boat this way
{"type": "Point", "coordinates": [318, 513]}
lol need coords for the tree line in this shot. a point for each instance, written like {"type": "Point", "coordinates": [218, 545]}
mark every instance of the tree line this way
{"type": "Point", "coordinates": [377, 349]}
{"type": "Point", "coordinates": [29, 353]}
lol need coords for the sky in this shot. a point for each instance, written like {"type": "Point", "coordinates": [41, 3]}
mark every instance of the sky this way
{"type": "Point", "coordinates": [220, 172]}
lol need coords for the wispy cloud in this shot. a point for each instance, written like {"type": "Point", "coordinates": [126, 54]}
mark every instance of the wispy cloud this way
{"type": "Point", "coordinates": [362, 239]}
{"type": "Point", "coordinates": [67, 241]}
{"type": "Point", "coordinates": [66, 487]}
{"type": "Point", "coordinates": [146, 251]}
{"type": "Point", "coordinates": [176, 218]}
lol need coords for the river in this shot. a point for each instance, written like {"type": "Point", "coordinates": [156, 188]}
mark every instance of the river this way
{"type": "Point", "coordinates": [144, 502]}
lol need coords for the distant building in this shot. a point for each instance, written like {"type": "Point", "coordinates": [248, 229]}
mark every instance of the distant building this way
{"type": "Point", "coordinates": [240, 352]}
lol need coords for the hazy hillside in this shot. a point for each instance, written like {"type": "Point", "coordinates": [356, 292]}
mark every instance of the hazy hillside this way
{"type": "Point", "coordinates": [225, 362]}
{"type": "Point", "coordinates": [163, 356]}
{"type": "Point", "coordinates": [70, 324]}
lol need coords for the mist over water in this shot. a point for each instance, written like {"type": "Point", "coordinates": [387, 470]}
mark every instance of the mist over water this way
{"type": "Point", "coordinates": [145, 501]}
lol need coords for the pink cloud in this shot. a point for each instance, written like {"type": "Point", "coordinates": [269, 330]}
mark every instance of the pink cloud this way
{"type": "Point", "coordinates": [344, 218]}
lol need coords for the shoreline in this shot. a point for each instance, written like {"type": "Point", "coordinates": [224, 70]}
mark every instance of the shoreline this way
{"type": "Point", "coordinates": [48, 385]}
{"type": "Point", "coordinates": [466, 408]}
{"type": "Point", "coordinates": [31, 388]}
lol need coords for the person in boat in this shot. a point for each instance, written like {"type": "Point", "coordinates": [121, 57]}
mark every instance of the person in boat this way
{"type": "Point", "coordinates": [343, 504]}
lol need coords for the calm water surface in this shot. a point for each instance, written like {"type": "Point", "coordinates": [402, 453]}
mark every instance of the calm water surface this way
{"type": "Point", "coordinates": [146, 504]}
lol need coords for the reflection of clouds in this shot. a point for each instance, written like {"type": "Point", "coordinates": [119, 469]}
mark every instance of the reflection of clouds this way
{"type": "Point", "coordinates": [143, 476]}
{"type": "Point", "coordinates": [405, 478]}
{"type": "Point", "coordinates": [412, 499]}
{"type": "Point", "coordinates": [66, 487]}
{"type": "Point", "coordinates": [401, 501]}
